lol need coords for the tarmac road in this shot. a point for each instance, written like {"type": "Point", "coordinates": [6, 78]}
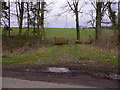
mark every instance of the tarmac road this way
{"type": "Point", "coordinates": [18, 83]}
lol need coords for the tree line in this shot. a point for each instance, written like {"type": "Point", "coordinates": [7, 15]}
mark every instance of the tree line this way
{"type": "Point", "coordinates": [35, 13]}
{"type": "Point", "coordinates": [101, 8]}
{"type": "Point", "coordinates": [32, 11]}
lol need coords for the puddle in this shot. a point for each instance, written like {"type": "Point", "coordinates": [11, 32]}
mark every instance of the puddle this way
{"type": "Point", "coordinates": [114, 76]}
{"type": "Point", "coordinates": [50, 69]}
{"type": "Point", "coordinates": [67, 70]}
{"type": "Point", "coordinates": [110, 76]}
{"type": "Point", "coordinates": [58, 70]}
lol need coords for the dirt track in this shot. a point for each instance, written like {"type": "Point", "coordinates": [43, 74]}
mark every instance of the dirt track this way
{"type": "Point", "coordinates": [82, 75]}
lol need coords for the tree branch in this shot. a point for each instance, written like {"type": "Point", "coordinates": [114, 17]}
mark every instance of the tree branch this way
{"type": "Point", "coordinates": [93, 5]}
{"type": "Point", "coordinates": [70, 6]}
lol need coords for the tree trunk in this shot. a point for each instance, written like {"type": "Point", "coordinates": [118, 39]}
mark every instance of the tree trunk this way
{"type": "Point", "coordinates": [38, 19]}
{"type": "Point", "coordinates": [76, 12]}
{"type": "Point", "coordinates": [98, 20]}
{"type": "Point", "coordinates": [9, 18]}
{"type": "Point", "coordinates": [77, 26]}
{"type": "Point", "coordinates": [28, 18]}
{"type": "Point", "coordinates": [34, 23]}
{"type": "Point", "coordinates": [119, 22]}
{"type": "Point", "coordinates": [112, 17]}
{"type": "Point", "coordinates": [119, 40]}
{"type": "Point", "coordinates": [77, 22]}
{"type": "Point", "coordinates": [42, 20]}
{"type": "Point", "coordinates": [0, 17]}
{"type": "Point", "coordinates": [34, 26]}
{"type": "Point", "coordinates": [21, 17]}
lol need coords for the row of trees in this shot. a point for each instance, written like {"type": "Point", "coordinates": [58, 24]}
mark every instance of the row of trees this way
{"type": "Point", "coordinates": [31, 11]}
{"type": "Point", "coordinates": [101, 8]}
{"type": "Point", "coordinates": [34, 12]}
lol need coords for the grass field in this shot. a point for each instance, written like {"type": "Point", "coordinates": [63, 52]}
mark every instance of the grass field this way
{"type": "Point", "coordinates": [63, 53]}
{"type": "Point", "coordinates": [64, 32]}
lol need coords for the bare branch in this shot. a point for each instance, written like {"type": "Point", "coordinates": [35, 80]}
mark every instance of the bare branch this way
{"type": "Point", "coordinates": [64, 7]}
{"type": "Point", "coordinates": [93, 5]}
{"type": "Point", "coordinates": [74, 4]}
{"type": "Point", "coordinates": [80, 8]}
{"type": "Point", "coordinates": [70, 6]}
{"type": "Point", "coordinates": [104, 7]}
{"type": "Point", "coordinates": [90, 14]}
{"type": "Point", "coordinates": [58, 15]}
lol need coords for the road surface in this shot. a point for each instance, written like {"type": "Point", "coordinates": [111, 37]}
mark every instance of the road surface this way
{"type": "Point", "coordinates": [18, 83]}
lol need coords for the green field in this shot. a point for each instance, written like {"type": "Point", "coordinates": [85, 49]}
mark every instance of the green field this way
{"type": "Point", "coordinates": [64, 32]}
{"type": "Point", "coordinates": [63, 53]}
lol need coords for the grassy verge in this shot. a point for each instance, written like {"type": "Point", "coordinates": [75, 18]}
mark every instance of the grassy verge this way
{"type": "Point", "coordinates": [55, 54]}
{"type": "Point", "coordinates": [64, 53]}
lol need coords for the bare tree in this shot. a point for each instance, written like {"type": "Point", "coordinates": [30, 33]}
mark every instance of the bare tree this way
{"type": "Point", "coordinates": [112, 16]}
{"type": "Point", "coordinates": [33, 8]}
{"type": "Point", "coordinates": [21, 9]}
{"type": "Point", "coordinates": [75, 8]}
{"type": "Point", "coordinates": [92, 21]}
{"type": "Point", "coordinates": [38, 18]}
{"type": "Point", "coordinates": [98, 19]}
{"type": "Point", "coordinates": [0, 13]}
{"type": "Point", "coordinates": [6, 17]}
{"type": "Point", "coordinates": [42, 20]}
{"type": "Point", "coordinates": [119, 38]}
{"type": "Point", "coordinates": [28, 17]}
{"type": "Point", "coordinates": [9, 18]}
{"type": "Point", "coordinates": [119, 22]}
{"type": "Point", "coordinates": [100, 8]}
{"type": "Point", "coordinates": [20, 13]}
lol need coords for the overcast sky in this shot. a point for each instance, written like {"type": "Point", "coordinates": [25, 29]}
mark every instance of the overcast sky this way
{"type": "Point", "coordinates": [67, 20]}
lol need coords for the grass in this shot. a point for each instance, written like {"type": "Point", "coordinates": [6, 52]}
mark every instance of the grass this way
{"type": "Point", "coordinates": [64, 32]}
{"type": "Point", "coordinates": [68, 33]}
{"type": "Point", "coordinates": [53, 54]}
{"type": "Point", "coordinates": [64, 53]}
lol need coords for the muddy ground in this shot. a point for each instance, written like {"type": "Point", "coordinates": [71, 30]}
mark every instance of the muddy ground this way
{"type": "Point", "coordinates": [92, 74]}
{"type": "Point", "coordinates": [88, 73]}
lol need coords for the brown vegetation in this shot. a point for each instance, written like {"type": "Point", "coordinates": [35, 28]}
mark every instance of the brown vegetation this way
{"type": "Point", "coordinates": [60, 41]}
{"type": "Point", "coordinates": [83, 42]}
{"type": "Point", "coordinates": [109, 43]}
